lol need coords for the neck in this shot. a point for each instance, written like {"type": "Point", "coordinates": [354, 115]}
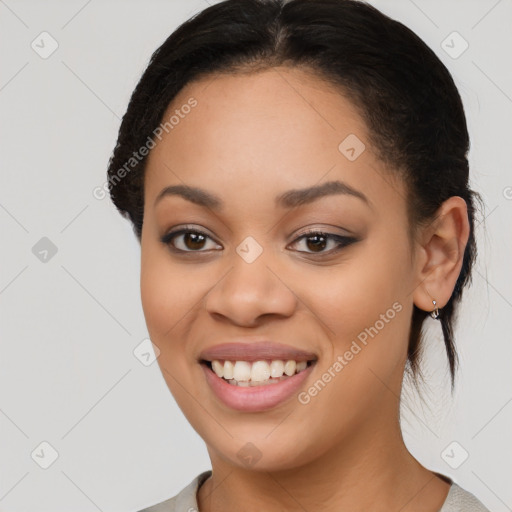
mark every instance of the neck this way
{"type": "Point", "coordinates": [368, 470]}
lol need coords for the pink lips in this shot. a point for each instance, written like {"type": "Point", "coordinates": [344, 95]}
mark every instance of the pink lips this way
{"type": "Point", "coordinates": [255, 352]}
{"type": "Point", "coordinates": [255, 398]}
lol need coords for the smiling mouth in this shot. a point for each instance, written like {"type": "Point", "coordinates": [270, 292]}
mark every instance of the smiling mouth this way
{"type": "Point", "coordinates": [256, 373]}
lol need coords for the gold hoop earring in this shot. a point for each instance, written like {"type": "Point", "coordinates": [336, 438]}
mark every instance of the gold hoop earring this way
{"type": "Point", "coordinates": [435, 313]}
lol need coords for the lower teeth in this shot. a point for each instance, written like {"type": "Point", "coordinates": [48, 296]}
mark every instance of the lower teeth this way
{"type": "Point", "coordinates": [250, 383]}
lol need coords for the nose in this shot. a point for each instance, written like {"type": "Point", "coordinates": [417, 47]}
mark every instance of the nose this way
{"type": "Point", "coordinates": [250, 291]}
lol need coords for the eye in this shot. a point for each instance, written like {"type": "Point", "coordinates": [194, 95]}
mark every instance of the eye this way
{"type": "Point", "coordinates": [317, 241]}
{"type": "Point", "coordinates": [187, 240]}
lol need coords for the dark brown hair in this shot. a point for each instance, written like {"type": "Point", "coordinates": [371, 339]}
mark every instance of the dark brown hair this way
{"type": "Point", "coordinates": [402, 90]}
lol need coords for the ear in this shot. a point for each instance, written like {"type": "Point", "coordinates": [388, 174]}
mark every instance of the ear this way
{"type": "Point", "coordinates": [440, 254]}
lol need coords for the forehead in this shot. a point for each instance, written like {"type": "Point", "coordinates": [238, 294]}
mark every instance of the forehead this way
{"type": "Point", "coordinates": [251, 135]}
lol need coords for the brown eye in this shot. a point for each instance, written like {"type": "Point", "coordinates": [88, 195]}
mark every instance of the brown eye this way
{"type": "Point", "coordinates": [317, 241]}
{"type": "Point", "coordinates": [187, 240]}
{"type": "Point", "coordinates": [193, 241]}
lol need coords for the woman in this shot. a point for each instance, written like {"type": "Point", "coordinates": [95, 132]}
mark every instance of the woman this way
{"type": "Point", "coordinates": [297, 175]}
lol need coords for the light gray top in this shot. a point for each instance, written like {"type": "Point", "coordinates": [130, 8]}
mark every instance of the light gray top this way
{"type": "Point", "coordinates": [458, 500]}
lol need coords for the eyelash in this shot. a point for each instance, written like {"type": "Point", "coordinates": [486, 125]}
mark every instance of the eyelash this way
{"type": "Point", "coordinates": [341, 241]}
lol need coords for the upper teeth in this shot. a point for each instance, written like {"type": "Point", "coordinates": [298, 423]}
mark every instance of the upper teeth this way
{"type": "Point", "coordinates": [257, 370]}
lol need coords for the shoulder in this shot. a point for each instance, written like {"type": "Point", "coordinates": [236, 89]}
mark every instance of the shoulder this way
{"type": "Point", "coordinates": [185, 500]}
{"type": "Point", "coordinates": [460, 500]}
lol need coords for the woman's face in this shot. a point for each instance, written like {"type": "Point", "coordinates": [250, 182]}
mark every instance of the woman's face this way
{"type": "Point", "coordinates": [254, 274]}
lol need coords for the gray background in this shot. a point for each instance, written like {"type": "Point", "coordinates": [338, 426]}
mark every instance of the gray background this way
{"type": "Point", "coordinates": [72, 320]}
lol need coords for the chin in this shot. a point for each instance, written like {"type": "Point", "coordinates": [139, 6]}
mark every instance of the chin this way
{"type": "Point", "coordinates": [262, 452]}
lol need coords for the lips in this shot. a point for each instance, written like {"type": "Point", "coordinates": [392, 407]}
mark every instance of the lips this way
{"type": "Point", "coordinates": [262, 395]}
{"type": "Point", "coordinates": [255, 351]}
{"type": "Point", "coordinates": [255, 399]}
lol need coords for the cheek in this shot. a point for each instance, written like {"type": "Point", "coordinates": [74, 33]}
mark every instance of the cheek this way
{"type": "Point", "coordinates": [172, 295]}
{"type": "Point", "coordinates": [366, 305]}
{"type": "Point", "coordinates": [160, 300]}
{"type": "Point", "coordinates": [168, 300]}
{"type": "Point", "coordinates": [354, 295]}
{"type": "Point", "coordinates": [168, 291]}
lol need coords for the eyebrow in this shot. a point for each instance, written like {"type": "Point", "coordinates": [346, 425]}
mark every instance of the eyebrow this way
{"type": "Point", "coordinates": [288, 199]}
